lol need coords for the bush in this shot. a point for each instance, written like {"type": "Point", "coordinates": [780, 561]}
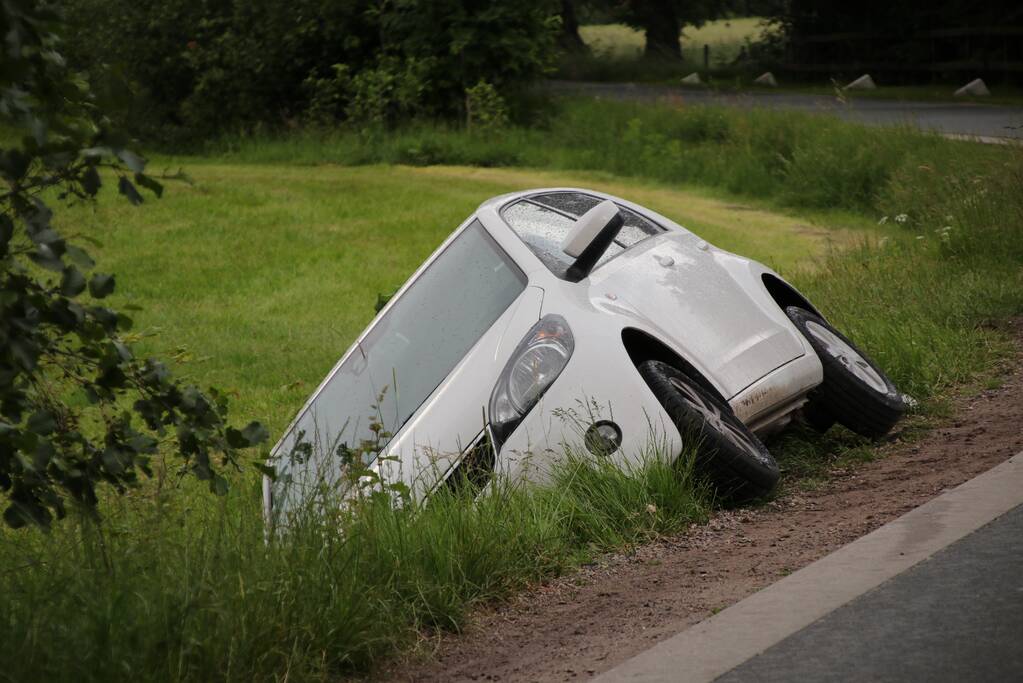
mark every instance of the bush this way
{"type": "Point", "coordinates": [193, 70]}
{"type": "Point", "coordinates": [485, 109]}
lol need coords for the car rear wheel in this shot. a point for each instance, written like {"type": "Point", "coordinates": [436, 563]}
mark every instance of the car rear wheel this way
{"type": "Point", "coordinates": [738, 465]}
{"type": "Point", "coordinates": [855, 392]}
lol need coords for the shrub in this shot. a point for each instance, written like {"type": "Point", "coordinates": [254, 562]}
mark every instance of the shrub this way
{"type": "Point", "coordinates": [197, 69]}
{"type": "Point", "coordinates": [485, 109]}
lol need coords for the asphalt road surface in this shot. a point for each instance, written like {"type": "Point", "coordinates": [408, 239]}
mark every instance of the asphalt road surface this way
{"type": "Point", "coordinates": [990, 123]}
{"type": "Point", "coordinates": [956, 617]}
{"type": "Point", "coordinates": [935, 595]}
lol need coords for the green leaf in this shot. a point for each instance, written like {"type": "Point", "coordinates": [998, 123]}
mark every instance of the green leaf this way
{"type": "Point", "coordinates": [80, 257]}
{"type": "Point", "coordinates": [150, 184]}
{"type": "Point", "coordinates": [114, 460]}
{"type": "Point", "coordinates": [255, 433]}
{"type": "Point", "coordinates": [14, 164]}
{"type": "Point", "coordinates": [72, 283]}
{"type": "Point", "coordinates": [91, 181]}
{"type": "Point", "coordinates": [123, 352]}
{"type": "Point", "coordinates": [49, 237]}
{"type": "Point", "coordinates": [125, 187]}
{"type": "Point", "coordinates": [14, 517]}
{"type": "Point", "coordinates": [101, 285]}
{"type": "Point", "coordinates": [97, 152]}
{"type": "Point", "coordinates": [267, 470]}
{"type": "Point", "coordinates": [235, 438]}
{"type": "Point", "coordinates": [42, 422]}
{"type": "Point", "coordinates": [219, 485]}
{"type": "Point", "coordinates": [25, 352]}
{"type": "Point", "coordinates": [382, 300]}
{"type": "Point", "coordinates": [252, 434]}
{"type": "Point", "coordinates": [6, 233]}
{"type": "Point", "coordinates": [132, 160]}
{"type": "Point", "coordinates": [45, 257]}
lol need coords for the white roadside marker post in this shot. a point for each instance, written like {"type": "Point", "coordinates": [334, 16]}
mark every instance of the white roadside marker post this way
{"type": "Point", "coordinates": [864, 82]}
{"type": "Point", "coordinates": [975, 88]}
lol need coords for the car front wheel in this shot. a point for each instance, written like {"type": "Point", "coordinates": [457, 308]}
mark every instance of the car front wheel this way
{"type": "Point", "coordinates": [738, 465]}
{"type": "Point", "coordinates": [855, 392]}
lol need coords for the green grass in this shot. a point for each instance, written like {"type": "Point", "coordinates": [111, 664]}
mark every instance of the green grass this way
{"type": "Point", "coordinates": [162, 592]}
{"type": "Point", "coordinates": [796, 160]}
{"type": "Point", "coordinates": [261, 273]}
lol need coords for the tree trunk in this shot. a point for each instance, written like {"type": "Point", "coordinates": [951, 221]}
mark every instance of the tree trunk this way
{"type": "Point", "coordinates": [660, 23]}
{"type": "Point", "coordinates": [570, 40]}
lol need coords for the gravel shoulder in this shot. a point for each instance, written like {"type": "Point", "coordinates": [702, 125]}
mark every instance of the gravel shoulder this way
{"type": "Point", "coordinates": [588, 622]}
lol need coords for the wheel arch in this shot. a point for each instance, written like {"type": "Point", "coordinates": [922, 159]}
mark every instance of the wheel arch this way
{"type": "Point", "coordinates": [786, 295]}
{"type": "Point", "coordinates": [643, 346]}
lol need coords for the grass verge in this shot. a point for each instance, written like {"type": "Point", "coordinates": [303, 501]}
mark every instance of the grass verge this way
{"type": "Point", "coordinates": [162, 592]}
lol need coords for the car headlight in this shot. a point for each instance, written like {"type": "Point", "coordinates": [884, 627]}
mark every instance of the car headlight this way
{"type": "Point", "coordinates": [534, 365]}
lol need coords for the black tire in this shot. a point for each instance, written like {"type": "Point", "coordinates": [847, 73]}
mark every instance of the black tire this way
{"type": "Point", "coordinates": [855, 391]}
{"type": "Point", "coordinates": [727, 452]}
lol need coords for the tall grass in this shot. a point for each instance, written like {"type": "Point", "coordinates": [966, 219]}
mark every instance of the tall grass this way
{"type": "Point", "coordinates": [165, 592]}
{"type": "Point", "coordinates": [794, 159]}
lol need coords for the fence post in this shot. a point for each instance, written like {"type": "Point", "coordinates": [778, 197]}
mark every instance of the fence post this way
{"type": "Point", "coordinates": [706, 57]}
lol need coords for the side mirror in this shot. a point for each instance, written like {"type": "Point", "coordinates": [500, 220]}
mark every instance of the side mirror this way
{"type": "Point", "coordinates": [590, 238]}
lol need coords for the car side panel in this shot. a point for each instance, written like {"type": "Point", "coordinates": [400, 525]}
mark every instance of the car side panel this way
{"type": "Point", "coordinates": [679, 283]}
{"type": "Point", "coordinates": [599, 382]}
{"type": "Point", "coordinates": [432, 440]}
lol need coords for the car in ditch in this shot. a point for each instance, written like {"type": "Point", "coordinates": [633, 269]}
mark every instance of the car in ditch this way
{"type": "Point", "coordinates": [557, 319]}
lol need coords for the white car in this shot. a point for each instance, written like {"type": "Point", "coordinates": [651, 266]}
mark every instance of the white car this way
{"type": "Point", "coordinates": [565, 318]}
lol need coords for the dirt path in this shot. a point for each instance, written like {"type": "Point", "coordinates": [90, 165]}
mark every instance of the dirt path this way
{"type": "Point", "coordinates": [590, 621]}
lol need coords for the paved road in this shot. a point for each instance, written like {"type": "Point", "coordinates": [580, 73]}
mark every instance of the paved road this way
{"type": "Point", "coordinates": [956, 617]}
{"type": "Point", "coordinates": [935, 595]}
{"type": "Point", "coordinates": [970, 119]}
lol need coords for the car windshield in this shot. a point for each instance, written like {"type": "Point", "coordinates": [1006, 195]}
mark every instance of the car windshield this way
{"type": "Point", "coordinates": [543, 220]}
{"type": "Point", "coordinates": [407, 354]}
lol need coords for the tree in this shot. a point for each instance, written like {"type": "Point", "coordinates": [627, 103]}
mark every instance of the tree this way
{"type": "Point", "coordinates": [78, 408]}
{"type": "Point", "coordinates": [662, 22]}
{"type": "Point", "coordinates": [569, 39]}
{"type": "Point", "coordinates": [198, 69]}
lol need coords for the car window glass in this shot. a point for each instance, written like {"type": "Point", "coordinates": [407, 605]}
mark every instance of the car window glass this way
{"type": "Point", "coordinates": [409, 351]}
{"type": "Point", "coordinates": [542, 221]}
{"type": "Point", "coordinates": [431, 327]}
{"type": "Point", "coordinates": [635, 228]}
{"type": "Point", "coordinates": [543, 231]}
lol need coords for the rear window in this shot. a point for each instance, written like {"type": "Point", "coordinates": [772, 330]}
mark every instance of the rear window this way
{"type": "Point", "coordinates": [543, 220]}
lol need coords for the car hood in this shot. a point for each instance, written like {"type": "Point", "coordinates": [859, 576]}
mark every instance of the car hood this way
{"type": "Point", "coordinates": [679, 283]}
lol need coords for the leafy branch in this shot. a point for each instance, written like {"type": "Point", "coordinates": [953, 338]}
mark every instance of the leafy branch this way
{"type": "Point", "coordinates": [78, 407]}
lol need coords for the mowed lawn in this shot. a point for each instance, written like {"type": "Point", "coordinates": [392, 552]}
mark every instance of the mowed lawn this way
{"type": "Point", "coordinates": [257, 278]}
{"type": "Point", "coordinates": [724, 36]}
